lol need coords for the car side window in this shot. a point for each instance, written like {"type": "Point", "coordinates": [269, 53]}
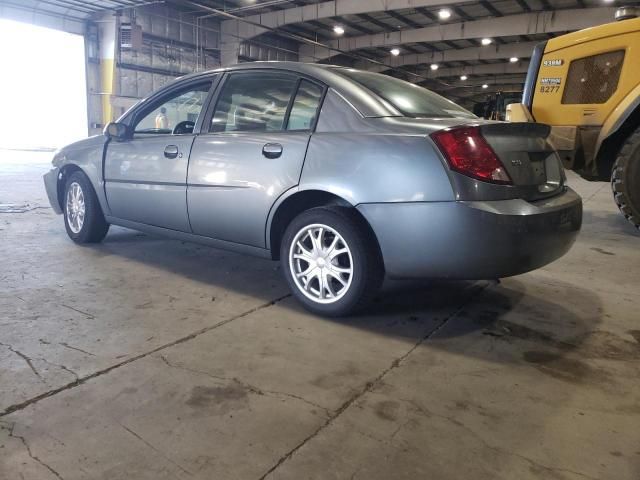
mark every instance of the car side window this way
{"type": "Point", "coordinates": [177, 114]}
{"type": "Point", "coordinates": [253, 102]}
{"type": "Point", "coordinates": [305, 106]}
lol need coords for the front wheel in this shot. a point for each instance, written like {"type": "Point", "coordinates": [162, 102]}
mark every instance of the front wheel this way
{"type": "Point", "coordinates": [331, 261]}
{"type": "Point", "coordinates": [83, 216]}
{"type": "Point", "coordinates": [625, 179]}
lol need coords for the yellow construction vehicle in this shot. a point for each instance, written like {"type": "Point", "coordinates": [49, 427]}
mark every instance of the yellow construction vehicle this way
{"type": "Point", "coordinates": [495, 105]}
{"type": "Point", "coordinates": [586, 85]}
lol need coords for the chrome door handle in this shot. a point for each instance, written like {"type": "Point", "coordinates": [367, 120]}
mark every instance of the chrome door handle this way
{"type": "Point", "coordinates": [272, 150]}
{"type": "Point", "coordinates": [171, 151]}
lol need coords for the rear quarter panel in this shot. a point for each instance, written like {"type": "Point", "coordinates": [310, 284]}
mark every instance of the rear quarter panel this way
{"type": "Point", "coordinates": [376, 168]}
{"type": "Point", "coordinates": [375, 159]}
{"type": "Point", "coordinates": [373, 168]}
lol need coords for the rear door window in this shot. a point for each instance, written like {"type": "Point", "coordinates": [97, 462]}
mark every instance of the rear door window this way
{"type": "Point", "coordinates": [304, 110]}
{"type": "Point", "coordinates": [254, 102]}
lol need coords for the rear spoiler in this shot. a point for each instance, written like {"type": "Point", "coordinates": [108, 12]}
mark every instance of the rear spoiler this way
{"type": "Point", "coordinates": [532, 75]}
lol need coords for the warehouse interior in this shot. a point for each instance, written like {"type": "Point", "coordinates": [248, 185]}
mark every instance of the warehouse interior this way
{"type": "Point", "coordinates": [146, 357]}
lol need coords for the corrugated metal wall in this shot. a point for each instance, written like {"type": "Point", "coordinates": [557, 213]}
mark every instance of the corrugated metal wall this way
{"type": "Point", "coordinates": [174, 44]}
{"type": "Point", "coordinates": [269, 48]}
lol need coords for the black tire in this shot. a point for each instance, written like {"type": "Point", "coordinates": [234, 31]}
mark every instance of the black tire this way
{"type": "Point", "coordinates": [366, 263]}
{"type": "Point", "coordinates": [94, 227]}
{"type": "Point", "coordinates": [625, 179]}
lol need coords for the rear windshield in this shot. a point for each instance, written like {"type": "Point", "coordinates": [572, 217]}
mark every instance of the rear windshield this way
{"type": "Point", "coordinates": [410, 99]}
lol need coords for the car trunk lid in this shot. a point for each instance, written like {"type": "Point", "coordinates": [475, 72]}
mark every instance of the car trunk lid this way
{"type": "Point", "coordinates": [527, 156]}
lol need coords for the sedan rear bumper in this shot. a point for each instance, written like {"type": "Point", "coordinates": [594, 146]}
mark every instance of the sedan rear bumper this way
{"type": "Point", "coordinates": [474, 240]}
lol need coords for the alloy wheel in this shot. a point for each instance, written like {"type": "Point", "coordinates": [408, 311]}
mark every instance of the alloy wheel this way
{"type": "Point", "coordinates": [321, 263]}
{"type": "Point", "coordinates": [75, 207]}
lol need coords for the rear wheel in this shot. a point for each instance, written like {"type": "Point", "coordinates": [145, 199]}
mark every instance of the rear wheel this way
{"type": "Point", "coordinates": [625, 179]}
{"type": "Point", "coordinates": [83, 216]}
{"type": "Point", "coordinates": [331, 261]}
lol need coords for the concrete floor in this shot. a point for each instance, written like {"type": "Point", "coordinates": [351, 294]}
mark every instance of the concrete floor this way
{"type": "Point", "coordinates": [146, 358]}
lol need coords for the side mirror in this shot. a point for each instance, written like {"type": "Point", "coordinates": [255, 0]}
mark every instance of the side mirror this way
{"type": "Point", "coordinates": [116, 131]}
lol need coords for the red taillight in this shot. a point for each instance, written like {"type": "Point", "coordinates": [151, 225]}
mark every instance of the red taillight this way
{"type": "Point", "coordinates": [468, 153]}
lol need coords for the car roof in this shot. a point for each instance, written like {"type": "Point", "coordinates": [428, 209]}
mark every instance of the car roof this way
{"type": "Point", "coordinates": [362, 99]}
{"type": "Point", "coordinates": [311, 69]}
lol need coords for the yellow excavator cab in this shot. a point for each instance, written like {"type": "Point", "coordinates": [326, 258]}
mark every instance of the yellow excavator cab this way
{"type": "Point", "coordinates": [586, 85]}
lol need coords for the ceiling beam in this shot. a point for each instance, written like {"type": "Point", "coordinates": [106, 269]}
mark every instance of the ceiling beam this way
{"type": "Point", "coordinates": [20, 12]}
{"type": "Point", "coordinates": [524, 5]}
{"type": "Point", "coordinates": [462, 14]}
{"type": "Point", "coordinates": [368, 18]}
{"type": "Point", "coordinates": [477, 70]}
{"type": "Point", "coordinates": [491, 52]}
{"type": "Point", "coordinates": [334, 8]}
{"type": "Point", "coordinates": [511, 25]}
{"type": "Point", "coordinates": [459, 88]}
{"type": "Point", "coordinates": [355, 26]}
{"type": "Point", "coordinates": [491, 9]}
{"type": "Point", "coordinates": [404, 20]}
{"type": "Point", "coordinates": [430, 15]}
{"type": "Point", "coordinates": [479, 94]}
{"type": "Point", "coordinates": [546, 5]}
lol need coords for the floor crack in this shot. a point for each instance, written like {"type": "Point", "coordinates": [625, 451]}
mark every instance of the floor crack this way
{"type": "Point", "coordinates": [371, 384]}
{"type": "Point", "coordinates": [28, 448]}
{"type": "Point", "coordinates": [86, 378]}
{"type": "Point", "coordinates": [88, 315]}
{"type": "Point", "coordinates": [30, 361]}
{"type": "Point", "coordinates": [155, 449]}
{"type": "Point", "coordinates": [25, 358]}
{"type": "Point", "coordinates": [62, 367]}
{"type": "Point", "coordinates": [593, 194]}
{"type": "Point", "coordinates": [302, 399]}
{"type": "Point", "coordinates": [66, 345]}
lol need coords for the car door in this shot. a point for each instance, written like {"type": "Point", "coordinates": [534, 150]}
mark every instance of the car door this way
{"type": "Point", "coordinates": [253, 152]}
{"type": "Point", "coordinates": [145, 176]}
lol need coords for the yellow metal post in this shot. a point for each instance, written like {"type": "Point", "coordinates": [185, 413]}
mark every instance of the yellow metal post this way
{"type": "Point", "coordinates": [108, 38]}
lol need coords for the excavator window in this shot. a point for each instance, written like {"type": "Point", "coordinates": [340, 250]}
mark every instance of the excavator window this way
{"type": "Point", "coordinates": [593, 79]}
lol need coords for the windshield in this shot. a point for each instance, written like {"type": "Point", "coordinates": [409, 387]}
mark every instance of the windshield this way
{"type": "Point", "coordinates": [410, 99]}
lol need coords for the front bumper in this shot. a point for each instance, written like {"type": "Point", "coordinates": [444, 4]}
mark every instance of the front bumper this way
{"type": "Point", "coordinates": [474, 240]}
{"type": "Point", "coordinates": [51, 186]}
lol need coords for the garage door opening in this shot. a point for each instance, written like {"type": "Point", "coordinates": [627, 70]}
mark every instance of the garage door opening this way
{"type": "Point", "coordinates": [43, 87]}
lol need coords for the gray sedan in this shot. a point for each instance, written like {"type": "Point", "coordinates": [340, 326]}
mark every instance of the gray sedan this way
{"type": "Point", "coordinates": [342, 175]}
